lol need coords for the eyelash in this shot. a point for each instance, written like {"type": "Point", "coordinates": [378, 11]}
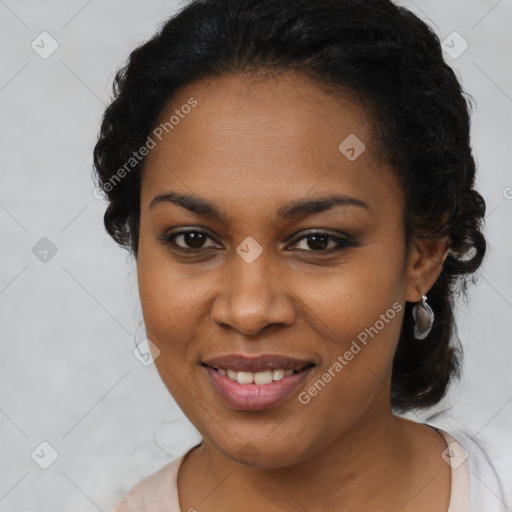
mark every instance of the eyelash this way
{"type": "Point", "coordinates": [343, 242]}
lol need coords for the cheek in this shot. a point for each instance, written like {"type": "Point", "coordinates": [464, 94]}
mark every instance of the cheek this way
{"type": "Point", "coordinates": [170, 296]}
{"type": "Point", "coordinates": [358, 312]}
{"type": "Point", "coordinates": [170, 305]}
{"type": "Point", "coordinates": [342, 303]}
{"type": "Point", "coordinates": [357, 360]}
{"type": "Point", "coordinates": [358, 330]}
{"type": "Point", "coordinates": [164, 316]}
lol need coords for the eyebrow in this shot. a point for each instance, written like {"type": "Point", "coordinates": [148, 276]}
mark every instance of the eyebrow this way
{"type": "Point", "coordinates": [300, 208]}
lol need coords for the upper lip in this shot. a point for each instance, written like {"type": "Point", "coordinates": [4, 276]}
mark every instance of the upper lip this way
{"type": "Point", "coordinates": [241, 363]}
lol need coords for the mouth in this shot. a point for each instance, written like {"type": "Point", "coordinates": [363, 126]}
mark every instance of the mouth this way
{"type": "Point", "coordinates": [264, 362]}
{"type": "Point", "coordinates": [261, 378]}
{"type": "Point", "coordinates": [245, 383]}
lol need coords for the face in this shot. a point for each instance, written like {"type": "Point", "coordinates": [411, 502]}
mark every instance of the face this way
{"type": "Point", "coordinates": [280, 271]}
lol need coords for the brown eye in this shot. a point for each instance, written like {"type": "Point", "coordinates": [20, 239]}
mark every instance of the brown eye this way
{"type": "Point", "coordinates": [193, 239]}
{"type": "Point", "coordinates": [190, 240]}
{"type": "Point", "coordinates": [319, 242]}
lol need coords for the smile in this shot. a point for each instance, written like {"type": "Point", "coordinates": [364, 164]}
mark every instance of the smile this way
{"type": "Point", "coordinates": [264, 377]}
{"type": "Point", "coordinates": [245, 383]}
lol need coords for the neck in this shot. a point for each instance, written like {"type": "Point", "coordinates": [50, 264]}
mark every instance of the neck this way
{"type": "Point", "coordinates": [362, 468]}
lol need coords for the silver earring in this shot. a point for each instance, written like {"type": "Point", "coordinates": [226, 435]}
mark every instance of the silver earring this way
{"type": "Point", "coordinates": [423, 318]}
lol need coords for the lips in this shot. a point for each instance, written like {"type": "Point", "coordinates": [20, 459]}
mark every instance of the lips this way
{"type": "Point", "coordinates": [255, 383]}
{"type": "Point", "coordinates": [241, 363]}
{"type": "Point", "coordinates": [253, 396]}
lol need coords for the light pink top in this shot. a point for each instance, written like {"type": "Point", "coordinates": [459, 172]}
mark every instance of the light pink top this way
{"type": "Point", "coordinates": [474, 484]}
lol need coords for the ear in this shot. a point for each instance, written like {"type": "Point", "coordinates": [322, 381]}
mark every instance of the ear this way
{"type": "Point", "coordinates": [424, 265]}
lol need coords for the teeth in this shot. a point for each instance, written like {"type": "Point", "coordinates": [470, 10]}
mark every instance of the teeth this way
{"type": "Point", "coordinates": [277, 374]}
{"type": "Point", "coordinates": [244, 377]}
{"type": "Point", "coordinates": [264, 377]}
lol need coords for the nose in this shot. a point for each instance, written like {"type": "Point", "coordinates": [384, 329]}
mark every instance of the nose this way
{"type": "Point", "coordinates": [253, 296]}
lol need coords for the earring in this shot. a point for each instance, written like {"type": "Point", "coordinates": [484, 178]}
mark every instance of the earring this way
{"type": "Point", "coordinates": [423, 318]}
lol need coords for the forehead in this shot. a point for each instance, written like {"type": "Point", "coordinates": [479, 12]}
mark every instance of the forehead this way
{"type": "Point", "coordinates": [256, 141]}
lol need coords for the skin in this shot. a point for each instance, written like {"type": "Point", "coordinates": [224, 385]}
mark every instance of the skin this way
{"type": "Point", "coordinates": [250, 146]}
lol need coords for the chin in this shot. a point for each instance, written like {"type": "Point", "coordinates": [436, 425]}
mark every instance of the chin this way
{"type": "Point", "coordinates": [262, 454]}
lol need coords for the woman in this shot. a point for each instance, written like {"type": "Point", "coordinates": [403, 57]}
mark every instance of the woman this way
{"type": "Point", "coordinates": [295, 181]}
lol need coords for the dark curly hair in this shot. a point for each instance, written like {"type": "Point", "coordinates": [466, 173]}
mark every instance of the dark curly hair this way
{"type": "Point", "coordinates": [383, 57]}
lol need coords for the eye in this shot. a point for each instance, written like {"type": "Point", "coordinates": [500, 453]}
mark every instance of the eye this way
{"type": "Point", "coordinates": [319, 242]}
{"type": "Point", "coordinates": [193, 240]}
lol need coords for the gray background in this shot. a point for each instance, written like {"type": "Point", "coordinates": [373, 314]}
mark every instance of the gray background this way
{"type": "Point", "coordinates": [69, 324]}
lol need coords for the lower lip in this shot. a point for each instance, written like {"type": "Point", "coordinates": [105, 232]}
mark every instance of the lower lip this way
{"type": "Point", "coordinates": [255, 396]}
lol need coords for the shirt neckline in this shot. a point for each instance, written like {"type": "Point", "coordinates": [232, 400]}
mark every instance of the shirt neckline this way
{"type": "Point", "coordinates": [456, 457]}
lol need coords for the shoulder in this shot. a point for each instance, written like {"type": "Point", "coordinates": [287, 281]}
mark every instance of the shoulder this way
{"type": "Point", "coordinates": [157, 492]}
{"type": "Point", "coordinates": [484, 486]}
